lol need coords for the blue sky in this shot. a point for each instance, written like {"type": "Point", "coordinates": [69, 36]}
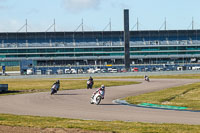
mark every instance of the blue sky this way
{"type": "Point", "coordinates": [96, 14]}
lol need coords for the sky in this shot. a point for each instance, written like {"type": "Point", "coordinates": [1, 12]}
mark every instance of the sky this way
{"type": "Point", "coordinates": [96, 14]}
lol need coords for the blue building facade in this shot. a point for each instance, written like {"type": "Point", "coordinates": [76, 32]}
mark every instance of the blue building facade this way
{"type": "Point", "coordinates": [99, 48]}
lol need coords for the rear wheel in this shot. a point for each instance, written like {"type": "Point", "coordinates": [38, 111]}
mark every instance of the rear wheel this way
{"type": "Point", "coordinates": [91, 86]}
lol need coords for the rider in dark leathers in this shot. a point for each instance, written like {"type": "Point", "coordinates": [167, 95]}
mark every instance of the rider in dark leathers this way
{"type": "Point", "coordinates": [91, 79]}
{"type": "Point", "coordinates": [90, 83]}
{"type": "Point", "coordinates": [55, 87]}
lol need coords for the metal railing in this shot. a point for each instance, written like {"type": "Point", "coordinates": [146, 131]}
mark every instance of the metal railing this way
{"type": "Point", "coordinates": [97, 44]}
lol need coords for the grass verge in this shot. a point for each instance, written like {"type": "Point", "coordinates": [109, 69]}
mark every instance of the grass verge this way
{"type": "Point", "coordinates": [17, 86]}
{"type": "Point", "coordinates": [113, 126]}
{"type": "Point", "coordinates": [184, 96]}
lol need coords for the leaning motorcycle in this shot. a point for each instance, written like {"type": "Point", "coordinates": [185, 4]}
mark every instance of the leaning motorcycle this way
{"type": "Point", "coordinates": [54, 89]}
{"type": "Point", "coordinates": [96, 98]}
{"type": "Point", "coordinates": [147, 79]}
{"type": "Point", "coordinates": [89, 84]}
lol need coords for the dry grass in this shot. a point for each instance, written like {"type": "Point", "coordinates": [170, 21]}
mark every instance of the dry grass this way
{"type": "Point", "coordinates": [37, 85]}
{"type": "Point", "coordinates": [113, 126]}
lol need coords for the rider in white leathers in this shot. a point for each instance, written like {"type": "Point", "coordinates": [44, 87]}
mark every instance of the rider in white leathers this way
{"type": "Point", "coordinates": [146, 78]}
{"type": "Point", "coordinates": [98, 95]}
{"type": "Point", "coordinates": [102, 90]}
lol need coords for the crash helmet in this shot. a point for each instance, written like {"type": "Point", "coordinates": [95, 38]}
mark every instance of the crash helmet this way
{"type": "Point", "coordinates": [102, 87]}
{"type": "Point", "coordinates": [58, 81]}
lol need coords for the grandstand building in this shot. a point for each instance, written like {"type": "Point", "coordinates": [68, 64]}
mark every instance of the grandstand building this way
{"type": "Point", "coordinates": [99, 48]}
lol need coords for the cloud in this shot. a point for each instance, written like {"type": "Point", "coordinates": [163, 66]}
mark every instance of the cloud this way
{"type": "Point", "coordinates": [80, 5]}
{"type": "Point", "coordinates": [2, 7]}
{"type": "Point", "coordinates": [13, 25]}
{"type": "Point", "coordinates": [120, 4]}
{"type": "Point", "coordinates": [33, 11]}
{"type": "Point", "coordinates": [2, 4]}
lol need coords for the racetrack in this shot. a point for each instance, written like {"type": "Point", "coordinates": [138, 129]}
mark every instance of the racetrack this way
{"type": "Point", "coordinates": [76, 104]}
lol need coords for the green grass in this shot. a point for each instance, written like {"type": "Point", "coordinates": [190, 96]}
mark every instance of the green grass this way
{"type": "Point", "coordinates": [39, 85]}
{"type": "Point", "coordinates": [113, 126]}
{"type": "Point", "coordinates": [184, 96]}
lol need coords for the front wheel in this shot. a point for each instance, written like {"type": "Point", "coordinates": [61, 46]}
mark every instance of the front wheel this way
{"type": "Point", "coordinates": [53, 91]}
{"type": "Point", "coordinates": [98, 100]}
{"type": "Point", "coordinates": [91, 100]}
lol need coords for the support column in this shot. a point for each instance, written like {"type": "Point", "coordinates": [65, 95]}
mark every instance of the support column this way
{"type": "Point", "coordinates": [126, 40]}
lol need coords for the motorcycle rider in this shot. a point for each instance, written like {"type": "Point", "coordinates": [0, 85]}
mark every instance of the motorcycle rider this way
{"type": "Point", "coordinates": [58, 84]}
{"type": "Point", "coordinates": [102, 89]}
{"type": "Point", "coordinates": [90, 83]}
{"type": "Point", "coordinates": [55, 87]}
{"type": "Point", "coordinates": [91, 80]}
{"type": "Point", "coordinates": [146, 78]}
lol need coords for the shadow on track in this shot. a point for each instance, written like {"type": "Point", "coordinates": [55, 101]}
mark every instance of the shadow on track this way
{"type": "Point", "coordinates": [10, 92]}
{"type": "Point", "coordinates": [104, 104]}
{"type": "Point", "coordinates": [65, 94]}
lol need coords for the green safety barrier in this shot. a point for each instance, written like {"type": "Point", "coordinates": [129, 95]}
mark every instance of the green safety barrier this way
{"type": "Point", "coordinates": [161, 106]}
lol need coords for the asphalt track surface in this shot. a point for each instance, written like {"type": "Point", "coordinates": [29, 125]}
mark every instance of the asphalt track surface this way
{"type": "Point", "coordinates": [76, 104]}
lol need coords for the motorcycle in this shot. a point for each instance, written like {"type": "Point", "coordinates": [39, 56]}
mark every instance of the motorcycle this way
{"type": "Point", "coordinates": [147, 79]}
{"type": "Point", "coordinates": [89, 84]}
{"type": "Point", "coordinates": [97, 97]}
{"type": "Point", "coordinates": [54, 88]}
